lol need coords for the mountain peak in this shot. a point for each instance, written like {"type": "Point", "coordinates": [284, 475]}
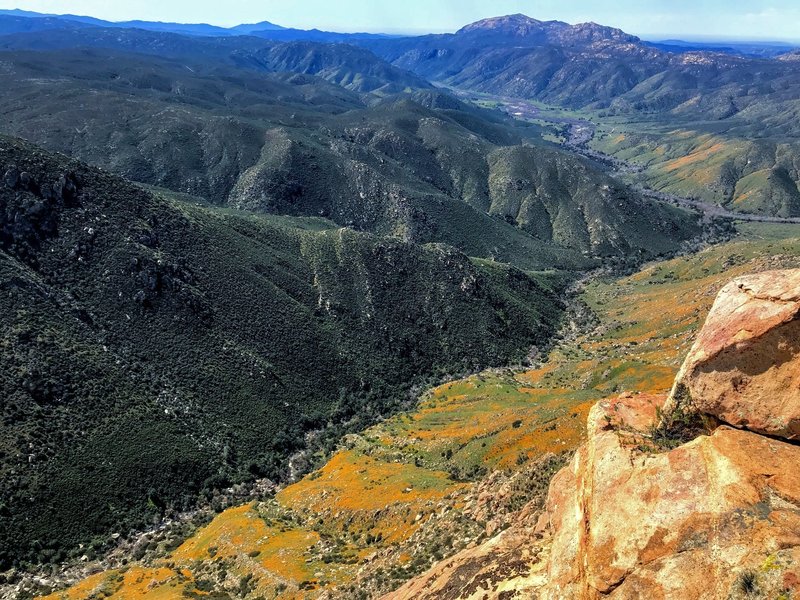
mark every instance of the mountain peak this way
{"type": "Point", "coordinates": [523, 26]}
{"type": "Point", "coordinates": [516, 24]}
{"type": "Point", "coordinates": [592, 32]}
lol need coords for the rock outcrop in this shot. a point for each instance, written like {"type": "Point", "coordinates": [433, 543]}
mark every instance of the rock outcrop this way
{"type": "Point", "coordinates": [744, 367]}
{"type": "Point", "coordinates": [695, 522]}
{"type": "Point", "coordinates": [645, 510]}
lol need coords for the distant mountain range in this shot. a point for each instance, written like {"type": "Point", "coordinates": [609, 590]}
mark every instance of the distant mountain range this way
{"type": "Point", "coordinates": [184, 28]}
{"type": "Point", "coordinates": [743, 48]}
{"type": "Point", "coordinates": [525, 30]}
{"type": "Point", "coordinates": [580, 66]}
{"type": "Point", "coordinates": [40, 21]}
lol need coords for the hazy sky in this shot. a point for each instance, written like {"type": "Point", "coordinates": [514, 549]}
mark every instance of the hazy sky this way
{"type": "Point", "coordinates": [751, 19]}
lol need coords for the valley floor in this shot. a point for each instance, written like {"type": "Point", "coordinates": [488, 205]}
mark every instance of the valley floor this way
{"type": "Point", "coordinates": [454, 472]}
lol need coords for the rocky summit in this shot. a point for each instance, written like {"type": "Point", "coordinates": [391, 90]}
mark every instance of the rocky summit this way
{"type": "Point", "coordinates": [668, 500]}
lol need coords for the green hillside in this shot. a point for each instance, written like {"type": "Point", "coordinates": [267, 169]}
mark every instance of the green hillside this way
{"type": "Point", "coordinates": [424, 168]}
{"type": "Point", "coordinates": [156, 351]}
{"type": "Point", "coordinates": [733, 169]}
{"type": "Point", "coordinates": [749, 103]}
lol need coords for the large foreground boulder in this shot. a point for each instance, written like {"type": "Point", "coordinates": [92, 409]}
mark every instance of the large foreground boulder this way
{"type": "Point", "coordinates": [679, 498]}
{"type": "Point", "coordinates": [708, 520]}
{"type": "Point", "coordinates": [744, 367]}
{"type": "Point", "coordinates": [716, 518]}
{"type": "Point", "coordinates": [654, 507]}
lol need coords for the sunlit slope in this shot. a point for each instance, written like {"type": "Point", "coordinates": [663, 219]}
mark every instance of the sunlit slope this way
{"type": "Point", "coordinates": [747, 175]}
{"type": "Point", "coordinates": [403, 494]}
{"type": "Point", "coordinates": [421, 167]}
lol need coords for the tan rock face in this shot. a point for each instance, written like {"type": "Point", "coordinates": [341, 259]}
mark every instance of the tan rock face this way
{"type": "Point", "coordinates": [689, 523]}
{"type": "Point", "coordinates": [622, 523]}
{"type": "Point", "coordinates": [496, 569]}
{"type": "Point", "coordinates": [744, 367]}
{"type": "Point", "coordinates": [718, 517]}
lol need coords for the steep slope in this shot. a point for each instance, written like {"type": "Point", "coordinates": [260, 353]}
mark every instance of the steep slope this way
{"type": "Point", "coordinates": [126, 112]}
{"type": "Point", "coordinates": [563, 200]}
{"type": "Point", "coordinates": [350, 67]}
{"type": "Point", "coordinates": [354, 68]}
{"type": "Point", "coordinates": [666, 501]}
{"type": "Point", "coordinates": [434, 170]}
{"type": "Point", "coordinates": [170, 350]}
{"type": "Point", "coordinates": [401, 170]}
{"type": "Point", "coordinates": [332, 535]}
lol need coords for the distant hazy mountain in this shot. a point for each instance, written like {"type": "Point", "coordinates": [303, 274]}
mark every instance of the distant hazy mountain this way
{"type": "Point", "coordinates": [752, 49]}
{"type": "Point", "coordinates": [184, 28]}
{"type": "Point", "coordinates": [575, 65]}
{"type": "Point", "coordinates": [252, 28]}
{"type": "Point", "coordinates": [35, 15]}
{"type": "Point", "coordinates": [315, 35]}
{"type": "Point", "coordinates": [14, 21]}
{"type": "Point", "coordinates": [519, 28]}
{"type": "Point", "coordinates": [592, 66]}
{"type": "Point", "coordinates": [353, 67]}
{"type": "Point", "coordinates": [21, 24]}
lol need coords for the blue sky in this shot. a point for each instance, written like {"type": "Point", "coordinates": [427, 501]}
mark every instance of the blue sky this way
{"type": "Point", "coordinates": [751, 19]}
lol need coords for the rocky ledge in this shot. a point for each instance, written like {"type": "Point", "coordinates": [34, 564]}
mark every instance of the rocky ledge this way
{"type": "Point", "coordinates": [692, 496]}
{"type": "Point", "coordinates": [744, 367]}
